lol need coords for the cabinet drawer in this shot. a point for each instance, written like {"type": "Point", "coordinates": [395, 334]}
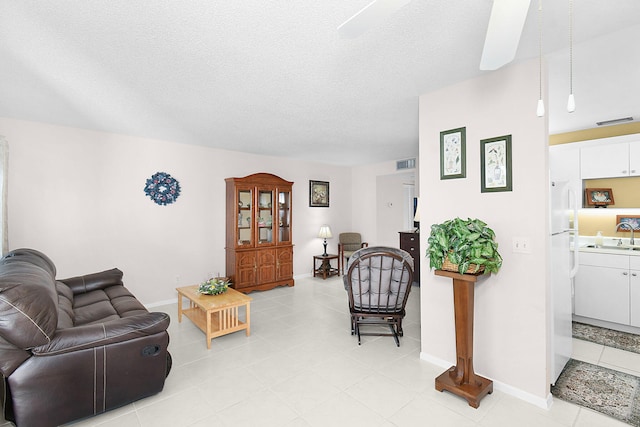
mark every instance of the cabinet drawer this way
{"type": "Point", "coordinates": [409, 241]}
{"type": "Point", "coordinates": [409, 246]}
{"type": "Point", "coordinates": [604, 260]}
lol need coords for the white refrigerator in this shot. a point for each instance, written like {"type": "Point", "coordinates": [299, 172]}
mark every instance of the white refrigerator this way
{"type": "Point", "coordinates": [564, 266]}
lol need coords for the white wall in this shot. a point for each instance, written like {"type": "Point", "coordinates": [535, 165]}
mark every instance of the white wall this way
{"type": "Point", "coordinates": [365, 202]}
{"type": "Point", "coordinates": [390, 207]}
{"type": "Point", "coordinates": [511, 306]}
{"type": "Point", "coordinates": [78, 196]}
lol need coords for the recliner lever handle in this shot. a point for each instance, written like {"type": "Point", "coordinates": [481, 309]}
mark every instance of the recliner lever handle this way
{"type": "Point", "coordinates": [151, 350]}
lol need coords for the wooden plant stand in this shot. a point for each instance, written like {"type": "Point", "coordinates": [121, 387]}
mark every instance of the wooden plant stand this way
{"type": "Point", "coordinates": [460, 379]}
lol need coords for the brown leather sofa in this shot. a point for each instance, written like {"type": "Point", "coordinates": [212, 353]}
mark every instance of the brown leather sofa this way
{"type": "Point", "coordinates": [73, 348]}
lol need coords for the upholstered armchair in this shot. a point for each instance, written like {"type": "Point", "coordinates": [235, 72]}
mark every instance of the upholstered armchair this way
{"type": "Point", "coordinates": [378, 282]}
{"type": "Point", "coordinates": [348, 243]}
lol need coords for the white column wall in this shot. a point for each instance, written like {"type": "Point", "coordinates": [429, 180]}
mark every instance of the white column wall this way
{"type": "Point", "coordinates": [510, 307]}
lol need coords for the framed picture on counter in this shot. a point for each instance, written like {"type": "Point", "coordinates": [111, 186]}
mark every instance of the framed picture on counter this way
{"type": "Point", "coordinates": [599, 197]}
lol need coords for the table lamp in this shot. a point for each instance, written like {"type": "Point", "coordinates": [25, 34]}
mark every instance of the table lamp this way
{"type": "Point", "coordinates": [325, 233]}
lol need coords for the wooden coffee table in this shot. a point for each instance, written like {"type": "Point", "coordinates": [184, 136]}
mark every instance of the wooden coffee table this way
{"type": "Point", "coordinates": [215, 315]}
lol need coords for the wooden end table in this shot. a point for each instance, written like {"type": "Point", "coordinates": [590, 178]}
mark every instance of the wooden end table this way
{"type": "Point", "coordinates": [325, 270]}
{"type": "Point", "coordinates": [215, 315]}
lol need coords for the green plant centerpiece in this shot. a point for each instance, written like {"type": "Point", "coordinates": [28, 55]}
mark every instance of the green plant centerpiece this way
{"type": "Point", "coordinates": [214, 286]}
{"type": "Point", "coordinates": [467, 245]}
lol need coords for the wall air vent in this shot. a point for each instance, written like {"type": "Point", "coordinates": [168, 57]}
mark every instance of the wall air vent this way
{"type": "Point", "coordinates": [405, 164]}
{"type": "Point", "coordinates": [615, 121]}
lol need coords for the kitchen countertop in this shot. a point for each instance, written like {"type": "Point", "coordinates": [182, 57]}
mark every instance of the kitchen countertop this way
{"type": "Point", "coordinates": [614, 250]}
{"type": "Point", "coordinates": [610, 245]}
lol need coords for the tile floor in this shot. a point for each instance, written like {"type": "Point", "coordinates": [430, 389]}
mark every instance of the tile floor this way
{"type": "Point", "coordinates": [301, 367]}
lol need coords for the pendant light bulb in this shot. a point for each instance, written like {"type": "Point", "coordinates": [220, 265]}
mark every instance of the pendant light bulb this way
{"type": "Point", "coordinates": [571, 104]}
{"type": "Point", "coordinates": [540, 110]}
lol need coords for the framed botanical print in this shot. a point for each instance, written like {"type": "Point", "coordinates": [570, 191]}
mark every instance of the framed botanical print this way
{"type": "Point", "coordinates": [319, 194]}
{"type": "Point", "coordinates": [453, 155]}
{"type": "Point", "coordinates": [495, 164]}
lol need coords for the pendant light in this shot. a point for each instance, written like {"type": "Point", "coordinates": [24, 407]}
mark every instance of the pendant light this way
{"type": "Point", "coordinates": [540, 109]}
{"type": "Point", "coordinates": [571, 103]}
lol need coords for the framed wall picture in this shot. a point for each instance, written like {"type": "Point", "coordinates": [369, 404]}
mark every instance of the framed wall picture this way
{"type": "Point", "coordinates": [319, 194]}
{"type": "Point", "coordinates": [632, 221]}
{"type": "Point", "coordinates": [495, 164]}
{"type": "Point", "coordinates": [599, 197]}
{"type": "Point", "coordinates": [453, 155]}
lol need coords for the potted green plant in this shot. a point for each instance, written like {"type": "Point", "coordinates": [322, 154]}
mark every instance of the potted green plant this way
{"type": "Point", "coordinates": [214, 286]}
{"type": "Point", "coordinates": [465, 246]}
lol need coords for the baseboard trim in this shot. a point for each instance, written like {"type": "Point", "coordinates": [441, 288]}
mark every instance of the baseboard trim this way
{"type": "Point", "coordinates": [159, 303]}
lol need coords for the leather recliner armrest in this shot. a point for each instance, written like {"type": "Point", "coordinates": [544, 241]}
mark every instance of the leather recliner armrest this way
{"type": "Point", "coordinates": [92, 282]}
{"type": "Point", "coordinates": [100, 334]}
{"type": "Point", "coordinates": [11, 357]}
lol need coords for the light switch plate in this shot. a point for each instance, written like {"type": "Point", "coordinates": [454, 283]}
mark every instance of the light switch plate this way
{"type": "Point", "coordinates": [521, 245]}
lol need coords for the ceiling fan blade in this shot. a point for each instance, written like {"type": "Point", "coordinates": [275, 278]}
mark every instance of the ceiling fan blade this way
{"type": "Point", "coordinates": [503, 33]}
{"type": "Point", "coordinates": [371, 16]}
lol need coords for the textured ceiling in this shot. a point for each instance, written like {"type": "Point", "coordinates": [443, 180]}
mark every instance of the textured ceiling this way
{"type": "Point", "coordinates": [273, 77]}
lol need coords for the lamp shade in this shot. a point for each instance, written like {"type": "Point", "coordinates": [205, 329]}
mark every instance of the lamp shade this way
{"type": "Point", "coordinates": [325, 232]}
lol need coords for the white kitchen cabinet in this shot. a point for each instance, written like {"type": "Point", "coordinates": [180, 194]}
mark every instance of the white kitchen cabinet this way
{"type": "Point", "coordinates": [610, 160]}
{"type": "Point", "coordinates": [634, 290]}
{"type": "Point", "coordinates": [634, 158]}
{"type": "Point", "coordinates": [602, 287]}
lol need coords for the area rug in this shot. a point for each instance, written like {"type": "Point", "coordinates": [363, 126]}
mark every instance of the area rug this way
{"type": "Point", "coordinates": [602, 389]}
{"type": "Point", "coordinates": [608, 337]}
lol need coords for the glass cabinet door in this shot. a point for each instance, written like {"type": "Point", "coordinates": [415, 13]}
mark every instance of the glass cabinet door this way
{"type": "Point", "coordinates": [265, 216]}
{"type": "Point", "coordinates": [284, 216]}
{"type": "Point", "coordinates": [245, 220]}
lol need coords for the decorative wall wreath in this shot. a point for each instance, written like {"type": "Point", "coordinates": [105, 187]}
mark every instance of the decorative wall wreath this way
{"type": "Point", "coordinates": [162, 188]}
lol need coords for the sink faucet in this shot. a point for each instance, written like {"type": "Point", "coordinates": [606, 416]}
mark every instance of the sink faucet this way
{"type": "Point", "coordinates": [630, 228]}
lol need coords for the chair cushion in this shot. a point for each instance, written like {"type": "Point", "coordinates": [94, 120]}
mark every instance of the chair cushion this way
{"type": "Point", "coordinates": [107, 304]}
{"type": "Point", "coordinates": [350, 239]}
{"type": "Point", "coordinates": [349, 253]}
{"type": "Point", "coordinates": [348, 250]}
{"type": "Point", "coordinates": [377, 280]}
{"type": "Point", "coordinates": [65, 306]}
{"type": "Point", "coordinates": [350, 242]}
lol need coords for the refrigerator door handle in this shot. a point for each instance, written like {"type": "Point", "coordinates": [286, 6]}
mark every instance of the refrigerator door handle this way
{"type": "Point", "coordinates": [573, 204]}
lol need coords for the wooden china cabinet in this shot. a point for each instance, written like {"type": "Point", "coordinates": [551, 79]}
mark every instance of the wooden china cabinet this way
{"type": "Point", "coordinates": [259, 248]}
